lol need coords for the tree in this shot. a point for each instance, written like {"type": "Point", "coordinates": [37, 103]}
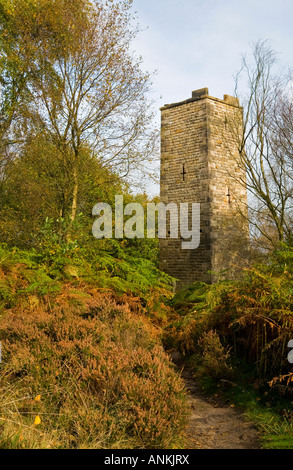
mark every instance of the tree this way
{"type": "Point", "coordinates": [37, 187]}
{"type": "Point", "coordinates": [85, 87]}
{"type": "Point", "coordinates": [266, 145]}
{"type": "Point", "coordinates": [13, 79]}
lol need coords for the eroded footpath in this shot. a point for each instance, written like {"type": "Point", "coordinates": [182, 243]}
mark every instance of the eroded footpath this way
{"type": "Point", "coordinates": [214, 424]}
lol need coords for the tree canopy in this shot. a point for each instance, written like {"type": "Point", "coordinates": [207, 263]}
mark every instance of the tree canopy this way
{"type": "Point", "coordinates": [70, 81]}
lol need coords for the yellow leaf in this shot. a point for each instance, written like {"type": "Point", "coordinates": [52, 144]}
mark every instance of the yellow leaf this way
{"type": "Point", "coordinates": [38, 420]}
{"type": "Point", "coordinates": [38, 398]}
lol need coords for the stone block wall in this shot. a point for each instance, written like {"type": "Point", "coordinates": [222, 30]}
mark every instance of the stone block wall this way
{"type": "Point", "coordinates": [200, 164]}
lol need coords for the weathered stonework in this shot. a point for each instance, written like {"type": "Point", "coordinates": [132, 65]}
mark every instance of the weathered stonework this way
{"type": "Point", "coordinates": [200, 164]}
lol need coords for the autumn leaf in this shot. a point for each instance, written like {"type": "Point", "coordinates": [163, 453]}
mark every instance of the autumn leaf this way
{"type": "Point", "coordinates": [37, 420]}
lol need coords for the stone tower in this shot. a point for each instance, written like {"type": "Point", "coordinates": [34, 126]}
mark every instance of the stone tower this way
{"type": "Point", "coordinates": [200, 164]}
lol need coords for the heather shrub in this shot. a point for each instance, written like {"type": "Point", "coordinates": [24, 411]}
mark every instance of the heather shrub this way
{"type": "Point", "coordinates": [93, 373]}
{"type": "Point", "coordinates": [215, 357]}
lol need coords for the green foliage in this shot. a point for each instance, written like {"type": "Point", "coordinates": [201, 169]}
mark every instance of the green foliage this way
{"type": "Point", "coordinates": [36, 193]}
{"type": "Point", "coordinates": [215, 360]}
{"type": "Point", "coordinates": [253, 315]}
{"type": "Point", "coordinates": [271, 414]}
{"type": "Point", "coordinates": [190, 298]}
{"type": "Point", "coordinates": [43, 272]}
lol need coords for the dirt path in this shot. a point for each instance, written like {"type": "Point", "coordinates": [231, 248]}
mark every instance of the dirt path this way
{"type": "Point", "coordinates": [215, 425]}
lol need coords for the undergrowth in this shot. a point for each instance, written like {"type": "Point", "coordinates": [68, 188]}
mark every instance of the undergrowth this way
{"type": "Point", "coordinates": [240, 325]}
{"type": "Point", "coordinates": [82, 361]}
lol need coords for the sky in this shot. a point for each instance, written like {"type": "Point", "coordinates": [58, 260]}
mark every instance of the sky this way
{"type": "Point", "coordinates": [198, 43]}
{"type": "Point", "coordinates": [194, 44]}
